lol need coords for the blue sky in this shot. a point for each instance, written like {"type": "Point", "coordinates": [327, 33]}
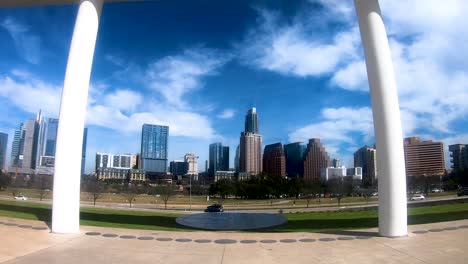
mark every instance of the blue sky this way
{"type": "Point", "coordinates": [198, 66]}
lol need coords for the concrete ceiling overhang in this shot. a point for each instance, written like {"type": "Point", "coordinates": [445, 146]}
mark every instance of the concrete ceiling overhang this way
{"type": "Point", "coordinates": [25, 3]}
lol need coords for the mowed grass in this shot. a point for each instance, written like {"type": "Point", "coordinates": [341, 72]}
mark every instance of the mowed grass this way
{"type": "Point", "coordinates": [300, 222]}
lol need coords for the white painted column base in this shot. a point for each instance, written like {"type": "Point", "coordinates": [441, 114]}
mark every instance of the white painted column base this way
{"type": "Point", "coordinates": [66, 195]}
{"type": "Point", "coordinates": [387, 122]}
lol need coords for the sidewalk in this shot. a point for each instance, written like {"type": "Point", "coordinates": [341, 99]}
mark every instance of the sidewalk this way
{"type": "Point", "coordinates": [23, 241]}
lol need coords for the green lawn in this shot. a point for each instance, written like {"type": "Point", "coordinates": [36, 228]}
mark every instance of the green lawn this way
{"type": "Point", "coordinates": [303, 222]}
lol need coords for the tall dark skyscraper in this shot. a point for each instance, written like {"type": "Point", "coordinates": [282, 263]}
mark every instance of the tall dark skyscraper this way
{"type": "Point", "coordinates": [218, 158]}
{"type": "Point", "coordinates": [51, 137]}
{"type": "Point", "coordinates": [83, 150]}
{"type": "Point", "coordinates": [237, 159]}
{"type": "Point", "coordinates": [294, 153]}
{"type": "Point", "coordinates": [251, 121]}
{"type": "Point", "coordinates": [154, 146]}
{"type": "Point", "coordinates": [17, 146]}
{"type": "Point", "coordinates": [274, 162]}
{"type": "Point", "coordinates": [3, 149]}
{"type": "Point", "coordinates": [366, 158]}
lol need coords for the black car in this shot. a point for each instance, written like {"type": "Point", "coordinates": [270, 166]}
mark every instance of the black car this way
{"type": "Point", "coordinates": [462, 192]}
{"type": "Point", "coordinates": [214, 208]}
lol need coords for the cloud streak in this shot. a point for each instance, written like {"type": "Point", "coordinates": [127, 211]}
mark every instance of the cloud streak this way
{"type": "Point", "coordinates": [27, 44]}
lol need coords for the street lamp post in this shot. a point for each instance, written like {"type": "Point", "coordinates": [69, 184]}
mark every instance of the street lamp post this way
{"type": "Point", "coordinates": [190, 193]}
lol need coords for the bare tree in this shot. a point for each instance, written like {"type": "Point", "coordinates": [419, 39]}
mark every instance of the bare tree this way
{"type": "Point", "coordinates": [165, 191]}
{"type": "Point", "coordinates": [130, 192]}
{"type": "Point", "coordinates": [311, 190]}
{"type": "Point", "coordinates": [340, 187]}
{"type": "Point", "coordinates": [95, 188]}
{"type": "Point", "coordinates": [43, 184]}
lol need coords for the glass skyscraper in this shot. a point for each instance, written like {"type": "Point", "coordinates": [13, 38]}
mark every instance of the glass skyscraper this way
{"type": "Point", "coordinates": [17, 146]}
{"type": "Point", "coordinates": [294, 153]}
{"type": "Point", "coordinates": [154, 146]}
{"type": "Point", "coordinates": [251, 121]}
{"type": "Point", "coordinates": [51, 137]}
{"type": "Point", "coordinates": [3, 149]}
{"type": "Point", "coordinates": [83, 150]}
{"type": "Point", "coordinates": [218, 158]}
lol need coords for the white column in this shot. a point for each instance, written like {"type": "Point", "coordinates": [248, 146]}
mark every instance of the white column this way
{"type": "Point", "coordinates": [66, 198]}
{"type": "Point", "coordinates": [387, 122]}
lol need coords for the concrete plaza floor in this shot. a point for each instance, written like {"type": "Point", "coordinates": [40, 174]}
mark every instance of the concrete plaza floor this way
{"type": "Point", "coordinates": [23, 241]}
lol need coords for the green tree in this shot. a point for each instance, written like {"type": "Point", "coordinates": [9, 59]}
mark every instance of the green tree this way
{"type": "Point", "coordinates": [4, 181]}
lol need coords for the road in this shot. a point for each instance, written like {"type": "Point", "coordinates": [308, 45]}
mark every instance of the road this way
{"type": "Point", "coordinates": [184, 209]}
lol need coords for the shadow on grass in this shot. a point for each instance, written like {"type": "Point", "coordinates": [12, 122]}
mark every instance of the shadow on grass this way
{"type": "Point", "coordinates": [338, 226]}
{"type": "Point", "coordinates": [141, 221]}
{"type": "Point", "coordinates": [35, 213]}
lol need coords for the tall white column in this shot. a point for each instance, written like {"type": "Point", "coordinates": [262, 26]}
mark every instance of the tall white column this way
{"type": "Point", "coordinates": [66, 198]}
{"type": "Point", "coordinates": [387, 122]}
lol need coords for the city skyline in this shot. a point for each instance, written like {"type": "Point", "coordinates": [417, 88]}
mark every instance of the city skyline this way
{"type": "Point", "coordinates": [200, 80]}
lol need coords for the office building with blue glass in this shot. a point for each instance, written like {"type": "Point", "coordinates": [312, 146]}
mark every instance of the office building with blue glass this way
{"type": "Point", "coordinates": [51, 137]}
{"type": "Point", "coordinates": [218, 158]}
{"type": "Point", "coordinates": [154, 146]}
{"type": "Point", "coordinates": [3, 150]}
{"type": "Point", "coordinates": [294, 154]}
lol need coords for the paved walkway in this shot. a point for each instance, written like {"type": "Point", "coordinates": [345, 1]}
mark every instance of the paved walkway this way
{"type": "Point", "coordinates": [24, 241]}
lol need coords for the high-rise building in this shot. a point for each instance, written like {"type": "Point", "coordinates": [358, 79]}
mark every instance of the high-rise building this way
{"type": "Point", "coordinates": [366, 158]}
{"type": "Point", "coordinates": [83, 150]}
{"type": "Point", "coordinates": [251, 121]}
{"type": "Point", "coordinates": [316, 158]}
{"type": "Point", "coordinates": [178, 167]}
{"type": "Point", "coordinates": [459, 157]}
{"type": "Point", "coordinates": [28, 155]}
{"type": "Point", "coordinates": [274, 161]}
{"type": "Point", "coordinates": [294, 154]}
{"type": "Point", "coordinates": [251, 153]}
{"type": "Point", "coordinates": [51, 137]}
{"type": "Point", "coordinates": [218, 158]}
{"type": "Point", "coordinates": [237, 159]}
{"type": "Point", "coordinates": [3, 150]}
{"type": "Point", "coordinates": [41, 133]}
{"type": "Point", "coordinates": [251, 145]}
{"type": "Point", "coordinates": [192, 163]}
{"type": "Point", "coordinates": [154, 146]}
{"type": "Point", "coordinates": [336, 163]}
{"type": "Point", "coordinates": [424, 158]}
{"type": "Point", "coordinates": [17, 147]}
{"type": "Point", "coordinates": [117, 161]}
{"type": "Point", "coordinates": [33, 147]}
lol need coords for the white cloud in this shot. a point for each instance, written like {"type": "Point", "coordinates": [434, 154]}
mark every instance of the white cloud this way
{"type": "Point", "coordinates": [115, 59]}
{"type": "Point", "coordinates": [293, 50]}
{"type": "Point", "coordinates": [352, 77]}
{"type": "Point", "coordinates": [338, 126]}
{"type": "Point", "coordinates": [175, 76]}
{"type": "Point", "coordinates": [181, 123]}
{"type": "Point", "coordinates": [433, 90]}
{"type": "Point", "coordinates": [27, 44]}
{"type": "Point", "coordinates": [227, 114]}
{"type": "Point", "coordinates": [125, 100]}
{"type": "Point", "coordinates": [31, 94]}
{"type": "Point", "coordinates": [427, 46]}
